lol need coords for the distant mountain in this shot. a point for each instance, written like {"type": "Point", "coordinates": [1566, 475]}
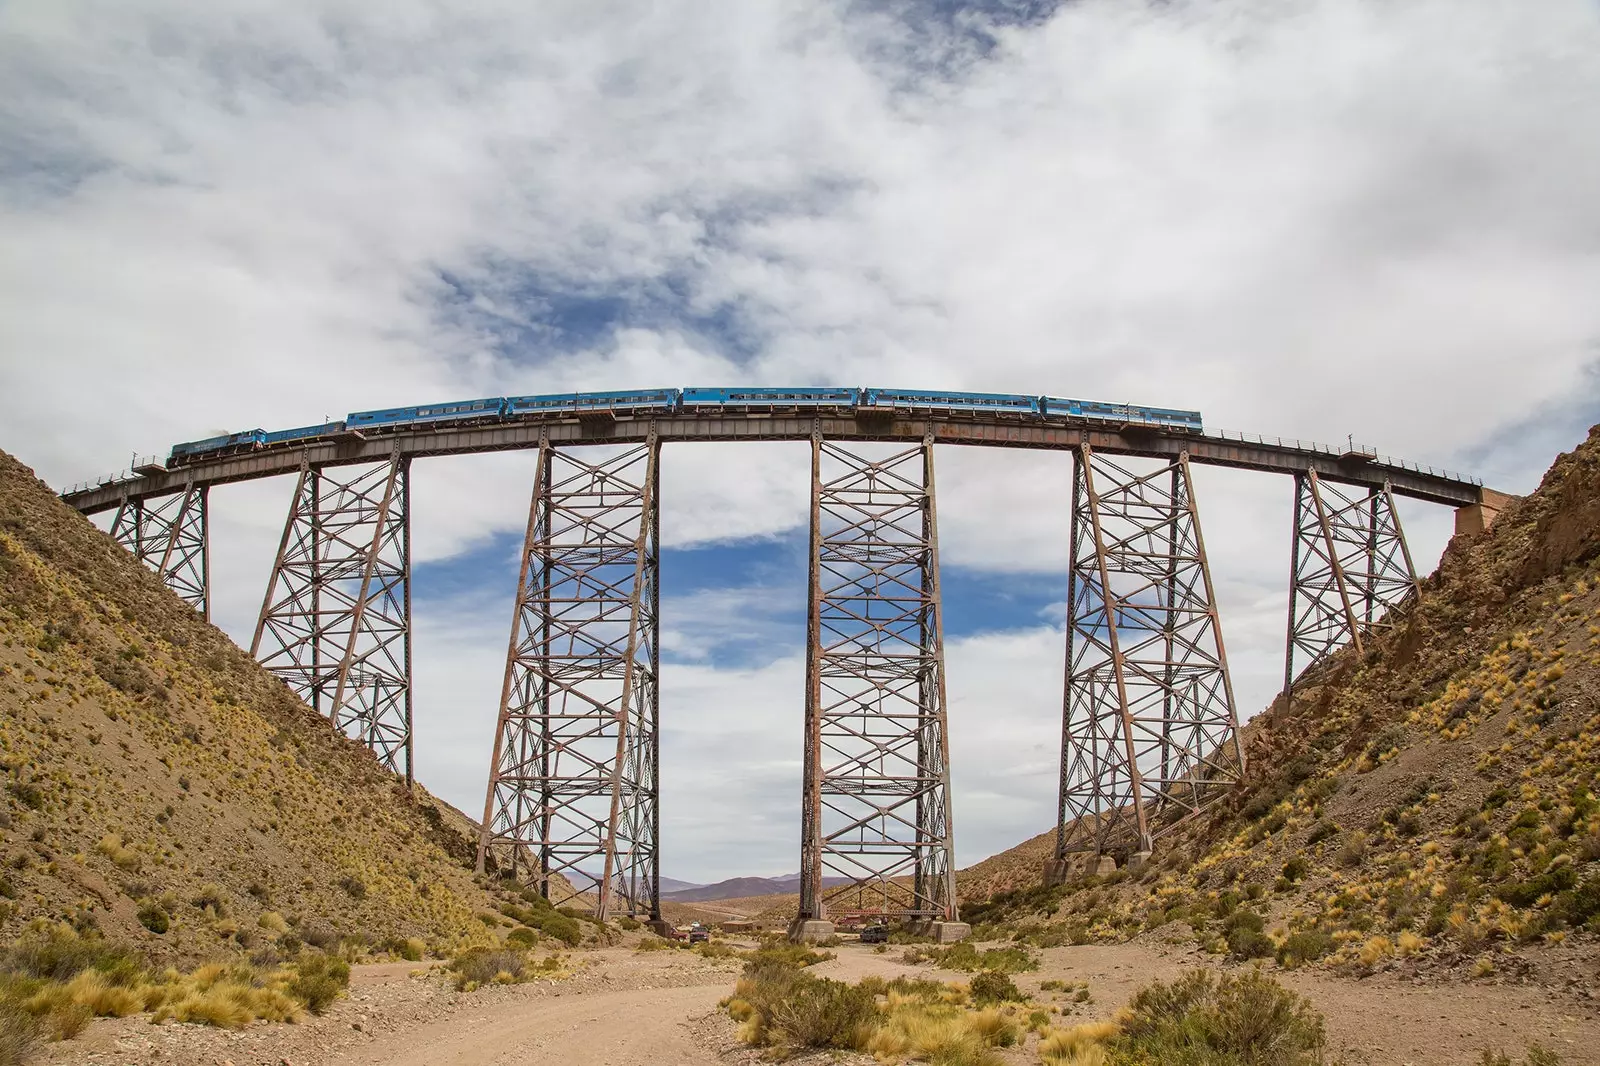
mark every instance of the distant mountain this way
{"type": "Point", "coordinates": [733, 888]}
{"type": "Point", "coordinates": [669, 885]}
{"type": "Point", "coordinates": [739, 887]}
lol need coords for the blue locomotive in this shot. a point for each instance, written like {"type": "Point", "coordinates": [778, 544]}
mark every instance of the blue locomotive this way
{"type": "Point", "coordinates": [695, 400]}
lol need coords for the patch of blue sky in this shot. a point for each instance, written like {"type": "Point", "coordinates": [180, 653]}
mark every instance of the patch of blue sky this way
{"type": "Point", "coordinates": [743, 605]}
{"type": "Point", "coordinates": [530, 317]}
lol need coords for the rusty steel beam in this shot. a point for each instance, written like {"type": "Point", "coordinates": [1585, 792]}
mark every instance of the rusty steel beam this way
{"type": "Point", "coordinates": [171, 535]}
{"type": "Point", "coordinates": [335, 623]}
{"type": "Point", "coordinates": [1150, 734]}
{"type": "Point", "coordinates": [1350, 571]}
{"type": "Point", "coordinates": [573, 794]}
{"type": "Point", "coordinates": [1273, 455]}
{"type": "Point", "coordinates": [876, 794]}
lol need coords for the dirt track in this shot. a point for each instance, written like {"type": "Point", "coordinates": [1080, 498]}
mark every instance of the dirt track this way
{"type": "Point", "coordinates": [625, 1008]}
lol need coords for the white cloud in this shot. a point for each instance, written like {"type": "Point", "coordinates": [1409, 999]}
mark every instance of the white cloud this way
{"type": "Point", "coordinates": [1314, 218]}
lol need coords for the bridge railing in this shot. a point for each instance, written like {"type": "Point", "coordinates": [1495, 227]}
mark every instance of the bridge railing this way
{"type": "Point", "coordinates": [127, 474]}
{"type": "Point", "coordinates": [1333, 450]}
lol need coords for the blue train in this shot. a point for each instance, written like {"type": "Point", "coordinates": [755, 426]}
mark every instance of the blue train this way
{"type": "Point", "coordinates": [693, 401]}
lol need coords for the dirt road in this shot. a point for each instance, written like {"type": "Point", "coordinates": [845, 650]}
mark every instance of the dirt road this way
{"type": "Point", "coordinates": [627, 1008]}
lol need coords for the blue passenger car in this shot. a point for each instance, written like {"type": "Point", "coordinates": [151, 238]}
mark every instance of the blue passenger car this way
{"type": "Point", "coordinates": [456, 411]}
{"type": "Point", "coordinates": [245, 440]}
{"type": "Point", "coordinates": [634, 401]}
{"type": "Point", "coordinates": [285, 436]}
{"type": "Point", "coordinates": [1120, 413]}
{"type": "Point", "coordinates": [986, 402]}
{"type": "Point", "coordinates": [767, 399]}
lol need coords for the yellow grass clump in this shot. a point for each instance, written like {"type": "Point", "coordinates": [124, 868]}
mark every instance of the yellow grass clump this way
{"type": "Point", "coordinates": [1082, 1045]}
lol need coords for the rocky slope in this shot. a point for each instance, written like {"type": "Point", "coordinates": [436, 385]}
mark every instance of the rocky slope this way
{"type": "Point", "coordinates": [1435, 799]}
{"type": "Point", "coordinates": [161, 787]}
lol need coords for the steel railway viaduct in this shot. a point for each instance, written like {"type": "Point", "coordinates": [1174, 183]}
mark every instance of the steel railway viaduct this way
{"type": "Point", "coordinates": [1149, 726]}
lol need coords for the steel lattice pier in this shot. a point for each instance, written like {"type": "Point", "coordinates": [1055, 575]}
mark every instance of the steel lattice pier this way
{"type": "Point", "coordinates": [336, 621]}
{"type": "Point", "coordinates": [876, 808]}
{"type": "Point", "coordinates": [573, 780]}
{"type": "Point", "coordinates": [169, 535]}
{"type": "Point", "coordinates": [1350, 571]}
{"type": "Point", "coordinates": [1150, 731]}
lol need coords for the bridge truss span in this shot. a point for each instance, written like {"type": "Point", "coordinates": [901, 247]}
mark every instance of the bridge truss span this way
{"type": "Point", "coordinates": [1149, 727]}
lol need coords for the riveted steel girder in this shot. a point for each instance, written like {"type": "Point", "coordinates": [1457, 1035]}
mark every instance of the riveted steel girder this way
{"type": "Point", "coordinates": [573, 780]}
{"type": "Point", "coordinates": [169, 534]}
{"type": "Point", "coordinates": [1350, 571]}
{"type": "Point", "coordinates": [336, 620]}
{"type": "Point", "coordinates": [876, 817]}
{"type": "Point", "coordinates": [1149, 728]}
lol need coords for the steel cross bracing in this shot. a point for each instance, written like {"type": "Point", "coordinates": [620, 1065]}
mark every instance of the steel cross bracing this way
{"type": "Point", "coordinates": [169, 535]}
{"type": "Point", "coordinates": [876, 808]}
{"type": "Point", "coordinates": [336, 620]}
{"type": "Point", "coordinates": [1350, 572]}
{"type": "Point", "coordinates": [573, 782]}
{"type": "Point", "coordinates": [1150, 734]}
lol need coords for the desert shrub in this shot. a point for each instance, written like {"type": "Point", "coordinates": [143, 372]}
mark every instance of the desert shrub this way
{"type": "Point", "coordinates": [1320, 832]}
{"type": "Point", "coordinates": [319, 936]}
{"type": "Point", "coordinates": [211, 896]}
{"type": "Point", "coordinates": [407, 948]}
{"type": "Point", "coordinates": [716, 950]}
{"type": "Point", "coordinates": [822, 1013]}
{"type": "Point", "coordinates": [968, 959]}
{"type": "Point", "coordinates": [1295, 869]}
{"type": "Point", "coordinates": [992, 986]}
{"type": "Point", "coordinates": [540, 915]}
{"type": "Point", "coordinates": [628, 924]}
{"type": "Point", "coordinates": [59, 953]}
{"type": "Point", "coordinates": [1579, 907]}
{"type": "Point", "coordinates": [1202, 1018]}
{"type": "Point", "coordinates": [525, 938]}
{"type": "Point", "coordinates": [153, 917]}
{"type": "Point", "coordinates": [782, 952]}
{"type": "Point", "coordinates": [112, 848]}
{"type": "Point", "coordinates": [1308, 945]}
{"type": "Point", "coordinates": [480, 966]}
{"type": "Point", "coordinates": [19, 1033]}
{"type": "Point", "coordinates": [318, 980]}
{"type": "Point", "coordinates": [1243, 932]}
{"type": "Point", "coordinates": [353, 886]}
{"type": "Point", "coordinates": [1354, 852]}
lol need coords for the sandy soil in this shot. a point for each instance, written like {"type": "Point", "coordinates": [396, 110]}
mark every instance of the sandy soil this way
{"type": "Point", "coordinates": [625, 1008]}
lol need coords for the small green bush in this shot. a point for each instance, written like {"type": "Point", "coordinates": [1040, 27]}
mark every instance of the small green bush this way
{"type": "Point", "coordinates": [822, 1013]}
{"type": "Point", "coordinates": [478, 966]}
{"type": "Point", "coordinates": [992, 987]}
{"type": "Point", "coordinates": [1308, 945]}
{"type": "Point", "coordinates": [318, 981]}
{"type": "Point", "coordinates": [153, 917]}
{"type": "Point", "coordinates": [1207, 1020]}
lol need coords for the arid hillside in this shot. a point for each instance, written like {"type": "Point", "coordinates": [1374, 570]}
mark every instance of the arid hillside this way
{"type": "Point", "coordinates": [1433, 800]}
{"type": "Point", "coordinates": [160, 787]}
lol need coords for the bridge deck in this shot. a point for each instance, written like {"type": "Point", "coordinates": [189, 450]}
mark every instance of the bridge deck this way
{"type": "Point", "coordinates": [1264, 454]}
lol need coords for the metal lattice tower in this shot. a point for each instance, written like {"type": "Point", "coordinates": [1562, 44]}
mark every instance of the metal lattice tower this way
{"type": "Point", "coordinates": [169, 535]}
{"type": "Point", "coordinates": [876, 806]}
{"type": "Point", "coordinates": [1350, 571]}
{"type": "Point", "coordinates": [1149, 734]}
{"type": "Point", "coordinates": [573, 782]}
{"type": "Point", "coordinates": [336, 620]}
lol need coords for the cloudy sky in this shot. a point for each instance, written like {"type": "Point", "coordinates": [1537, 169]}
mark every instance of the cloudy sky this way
{"type": "Point", "coordinates": [1314, 218]}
